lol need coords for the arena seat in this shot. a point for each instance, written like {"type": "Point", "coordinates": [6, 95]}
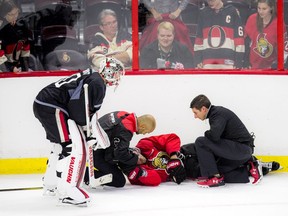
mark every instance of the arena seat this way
{"type": "Point", "coordinates": [89, 33]}
{"type": "Point", "coordinates": [59, 37]}
{"type": "Point", "coordinates": [65, 60]}
{"type": "Point", "coordinates": [35, 64]}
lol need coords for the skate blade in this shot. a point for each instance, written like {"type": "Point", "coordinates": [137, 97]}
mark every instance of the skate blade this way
{"type": "Point", "coordinates": [65, 202]}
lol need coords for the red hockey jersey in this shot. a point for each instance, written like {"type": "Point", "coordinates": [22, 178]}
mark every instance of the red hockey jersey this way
{"type": "Point", "coordinates": [157, 151]}
{"type": "Point", "coordinates": [263, 47]}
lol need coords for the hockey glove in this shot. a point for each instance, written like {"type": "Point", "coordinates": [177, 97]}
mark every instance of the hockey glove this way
{"type": "Point", "coordinates": [136, 173]}
{"type": "Point", "coordinates": [176, 170]}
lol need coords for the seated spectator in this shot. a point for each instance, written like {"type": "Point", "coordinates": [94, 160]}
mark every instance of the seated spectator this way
{"type": "Point", "coordinates": [3, 58]}
{"type": "Point", "coordinates": [261, 32]}
{"type": "Point", "coordinates": [219, 43]}
{"type": "Point", "coordinates": [111, 42]}
{"type": "Point", "coordinates": [166, 52]}
{"type": "Point", "coordinates": [165, 10]}
{"type": "Point", "coordinates": [14, 35]}
{"type": "Point", "coordinates": [171, 7]}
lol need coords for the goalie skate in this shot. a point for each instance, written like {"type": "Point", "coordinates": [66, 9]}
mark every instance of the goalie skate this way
{"type": "Point", "coordinates": [100, 181]}
{"type": "Point", "coordinates": [67, 201]}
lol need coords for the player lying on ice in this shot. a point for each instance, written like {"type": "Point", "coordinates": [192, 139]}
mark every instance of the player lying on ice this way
{"type": "Point", "coordinates": [167, 161]}
{"type": "Point", "coordinates": [65, 109]}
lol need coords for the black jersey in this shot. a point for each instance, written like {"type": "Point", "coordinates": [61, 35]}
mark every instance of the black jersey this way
{"type": "Point", "coordinates": [120, 127]}
{"type": "Point", "coordinates": [220, 38]}
{"type": "Point", "coordinates": [67, 94]}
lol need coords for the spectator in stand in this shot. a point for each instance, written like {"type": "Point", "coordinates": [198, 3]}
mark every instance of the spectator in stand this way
{"type": "Point", "coordinates": [166, 52]}
{"type": "Point", "coordinates": [219, 43]}
{"type": "Point", "coordinates": [160, 7]}
{"type": "Point", "coordinates": [14, 35]}
{"type": "Point", "coordinates": [3, 58]}
{"type": "Point", "coordinates": [110, 42]}
{"type": "Point", "coordinates": [261, 33]}
{"type": "Point", "coordinates": [165, 10]}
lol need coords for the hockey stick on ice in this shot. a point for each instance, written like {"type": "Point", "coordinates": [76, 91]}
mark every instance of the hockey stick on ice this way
{"type": "Point", "coordinates": [20, 189]}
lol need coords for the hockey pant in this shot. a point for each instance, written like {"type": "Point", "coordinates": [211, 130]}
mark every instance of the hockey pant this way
{"type": "Point", "coordinates": [73, 167]}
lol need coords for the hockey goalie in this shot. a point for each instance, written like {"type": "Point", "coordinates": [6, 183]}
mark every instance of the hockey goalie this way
{"type": "Point", "coordinates": [67, 109]}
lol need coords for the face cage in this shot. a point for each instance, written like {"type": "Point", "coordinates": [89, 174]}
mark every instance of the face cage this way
{"type": "Point", "coordinates": [112, 78]}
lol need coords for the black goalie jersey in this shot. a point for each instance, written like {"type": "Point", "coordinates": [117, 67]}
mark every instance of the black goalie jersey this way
{"type": "Point", "coordinates": [67, 94]}
{"type": "Point", "coordinates": [220, 39]}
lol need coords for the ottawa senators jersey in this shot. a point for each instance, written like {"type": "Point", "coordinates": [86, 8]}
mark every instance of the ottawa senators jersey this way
{"type": "Point", "coordinates": [220, 39]}
{"type": "Point", "coordinates": [67, 94]}
{"type": "Point", "coordinates": [157, 151]}
{"type": "Point", "coordinates": [263, 46]}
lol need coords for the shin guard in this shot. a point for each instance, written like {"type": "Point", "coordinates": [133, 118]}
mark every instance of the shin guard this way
{"type": "Point", "coordinates": [50, 178]}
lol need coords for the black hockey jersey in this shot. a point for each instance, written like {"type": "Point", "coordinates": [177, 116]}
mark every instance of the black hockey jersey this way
{"type": "Point", "coordinates": [67, 94]}
{"type": "Point", "coordinates": [220, 39]}
{"type": "Point", "coordinates": [120, 127]}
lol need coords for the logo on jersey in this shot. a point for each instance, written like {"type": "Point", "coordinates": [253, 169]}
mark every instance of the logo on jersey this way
{"type": "Point", "coordinates": [263, 48]}
{"type": "Point", "coordinates": [65, 57]}
{"type": "Point", "coordinates": [161, 160]}
{"type": "Point", "coordinates": [216, 37]}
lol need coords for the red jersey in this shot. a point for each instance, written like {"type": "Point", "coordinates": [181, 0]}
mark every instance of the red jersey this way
{"type": "Point", "coordinates": [263, 47]}
{"type": "Point", "coordinates": [157, 151]}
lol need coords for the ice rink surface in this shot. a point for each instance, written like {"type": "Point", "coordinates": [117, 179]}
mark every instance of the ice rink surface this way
{"type": "Point", "coordinates": [267, 198]}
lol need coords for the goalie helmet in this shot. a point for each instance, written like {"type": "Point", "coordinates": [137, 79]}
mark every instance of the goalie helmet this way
{"type": "Point", "coordinates": [111, 70]}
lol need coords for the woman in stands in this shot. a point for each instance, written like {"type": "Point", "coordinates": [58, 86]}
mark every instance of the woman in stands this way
{"type": "Point", "coordinates": [14, 35]}
{"type": "Point", "coordinates": [261, 32]}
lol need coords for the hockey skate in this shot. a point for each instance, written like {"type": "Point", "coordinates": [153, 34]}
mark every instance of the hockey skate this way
{"type": "Point", "coordinates": [212, 182]}
{"type": "Point", "coordinates": [255, 169]}
{"type": "Point", "coordinates": [65, 201]}
{"type": "Point", "coordinates": [49, 191]}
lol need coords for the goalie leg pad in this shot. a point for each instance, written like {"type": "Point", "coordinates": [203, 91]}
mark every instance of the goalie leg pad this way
{"type": "Point", "coordinates": [74, 167]}
{"type": "Point", "coordinates": [50, 178]}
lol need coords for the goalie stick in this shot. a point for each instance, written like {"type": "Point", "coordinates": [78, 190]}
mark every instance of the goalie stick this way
{"type": "Point", "coordinates": [90, 160]}
{"type": "Point", "coordinates": [93, 184]}
{"type": "Point", "coordinates": [90, 147]}
{"type": "Point", "coordinates": [19, 189]}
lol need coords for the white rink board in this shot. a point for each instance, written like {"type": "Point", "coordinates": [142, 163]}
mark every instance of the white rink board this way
{"type": "Point", "coordinates": [259, 100]}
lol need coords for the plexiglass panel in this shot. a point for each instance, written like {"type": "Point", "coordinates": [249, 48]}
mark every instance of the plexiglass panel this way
{"type": "Point", "coordinates": [63, 35]}
{"type": "Point", "coordinates": [208, 34]}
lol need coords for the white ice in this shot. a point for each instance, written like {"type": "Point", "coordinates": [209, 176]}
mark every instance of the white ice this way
{"type": "Point", "coordinates": [269, 197]}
